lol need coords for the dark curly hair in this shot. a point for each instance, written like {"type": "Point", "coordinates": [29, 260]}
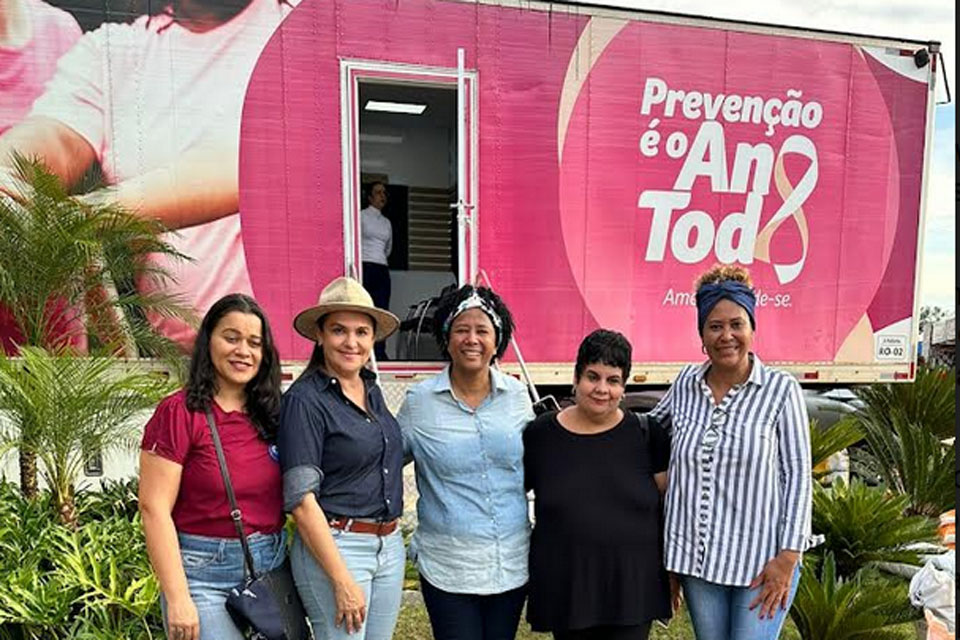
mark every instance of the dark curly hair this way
{"type": "Point", "coordinates": [448, 304]}
{"type": "Point", "coordinates": [604, 347]}
{"type": "Point", "coordinates": [263, 391]}
{"type": "Point", "coordinates": [723, 273]}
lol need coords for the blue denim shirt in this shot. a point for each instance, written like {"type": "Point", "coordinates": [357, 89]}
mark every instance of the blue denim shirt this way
{"type": "Point", "coordinates": [474, 532]}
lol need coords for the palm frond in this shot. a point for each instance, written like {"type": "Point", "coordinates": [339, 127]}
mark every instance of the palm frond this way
{"type": "Point", "coordinates": [58, 253]}
{"type": "Point", "coordinates": [830, 607]}
{"type": "Point", "coordinates": [62, 406]}
{"type": "Point", "coordinates": [825, 442]}
{"type": "Point", "coordinates": [865, 525]}
{"type": "Point", "coordinates": [929, 401]}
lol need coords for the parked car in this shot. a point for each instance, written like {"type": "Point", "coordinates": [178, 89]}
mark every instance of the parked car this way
{"type": "Point", "coordinates": [826, 406]}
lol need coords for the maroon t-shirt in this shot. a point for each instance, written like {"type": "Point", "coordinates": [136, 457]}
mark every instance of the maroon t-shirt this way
{"type": "Point", "coordinates": [202, 507]}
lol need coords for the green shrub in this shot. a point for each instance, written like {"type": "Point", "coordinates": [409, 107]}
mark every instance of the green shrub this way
{"type": "Point", "coordinates": [826, 441]}
{"type": "Point", "coordinates": [864, 525]}
{"type": "Point", "coordinates": [92, 582]}
{"type": "Point", "coordinates": [867, 606]}
{"type": "Point", "coordinates": [116, 498]}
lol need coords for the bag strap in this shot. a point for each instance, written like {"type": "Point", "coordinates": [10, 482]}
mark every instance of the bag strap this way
{"type": "Point", "coordinates": [235, 514]}
{"type": "Point", "coordinates": [643, 419]}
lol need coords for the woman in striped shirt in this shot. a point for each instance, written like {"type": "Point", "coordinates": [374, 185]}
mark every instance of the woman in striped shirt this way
{"type": "Point", "coordinates": [739, 490]}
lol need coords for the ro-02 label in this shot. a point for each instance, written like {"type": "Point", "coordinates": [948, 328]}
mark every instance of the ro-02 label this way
{"type": "Point", "coordinates": [891, 348]}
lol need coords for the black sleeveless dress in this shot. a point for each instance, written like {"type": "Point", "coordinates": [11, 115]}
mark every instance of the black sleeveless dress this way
{"type": "Point", "coordinates": [596, 553]}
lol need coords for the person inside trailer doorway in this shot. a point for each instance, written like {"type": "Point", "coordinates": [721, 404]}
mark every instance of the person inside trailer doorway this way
{"type": "Point", "coordinates": [376, 243]}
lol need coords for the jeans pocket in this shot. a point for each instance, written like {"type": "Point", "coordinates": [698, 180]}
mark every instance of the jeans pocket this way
{"type": "Point", "coordinates": [197, 559]}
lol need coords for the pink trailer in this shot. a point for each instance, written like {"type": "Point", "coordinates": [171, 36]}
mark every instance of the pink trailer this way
{"type": "Point", "coordinates": [598, 160]}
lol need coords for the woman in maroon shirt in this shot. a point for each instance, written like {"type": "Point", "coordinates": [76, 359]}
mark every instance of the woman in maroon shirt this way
{"type": "Point", "coordinates": [191, 539]}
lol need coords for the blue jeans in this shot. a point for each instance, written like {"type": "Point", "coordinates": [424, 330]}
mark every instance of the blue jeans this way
{"type": "Point", "coordinates": [719, 612]}
{"type": "Point", "coordinates": [213, 567]}
{"type": "Point", "coordinates": [376, 564]}
{"type": "Point", "coordinates": [467, 616]}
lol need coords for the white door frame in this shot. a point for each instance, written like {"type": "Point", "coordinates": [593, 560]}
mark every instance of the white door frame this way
{"type": "Point", "coordinates": [354, 71]}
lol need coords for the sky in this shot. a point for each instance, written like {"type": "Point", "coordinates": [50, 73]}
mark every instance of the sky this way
{"type": "Point", "coordinates": [895, 18]}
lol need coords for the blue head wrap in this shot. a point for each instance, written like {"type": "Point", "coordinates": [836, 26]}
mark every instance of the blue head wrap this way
{"type": "Point", "coordinates": [710, 294]}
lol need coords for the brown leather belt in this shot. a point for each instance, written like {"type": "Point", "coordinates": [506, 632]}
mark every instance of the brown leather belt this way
{"type": "Point", "coordinates": [364, 526]}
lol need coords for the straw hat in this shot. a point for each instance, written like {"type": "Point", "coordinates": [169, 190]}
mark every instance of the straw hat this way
{"type": "Point", "coordinates": [345, 294]}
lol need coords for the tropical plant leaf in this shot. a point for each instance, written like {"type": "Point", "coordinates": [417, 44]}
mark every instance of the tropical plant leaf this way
{"type": "Point", "coordinates": [865, 525]}
{"type": "Point", "coordinates": [62, 406]}
{"type": "Point", "coordinates": [912, 461]}
{"type": "Point", "coordinates": [92, 582]}
{"type": "Point", "coordinates": [825, 442]}
{"type": "Point", "coordinates": [928, 402]}
{"type": "Point", "coordinates": [829, 607]}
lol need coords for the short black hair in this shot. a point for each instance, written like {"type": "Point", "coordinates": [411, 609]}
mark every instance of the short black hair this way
{"type": "Point", "coordinates": [604, 347]}
{"type": "Point", "coordinates": [263, 391]}
{"type": "Point", "coordinates": [449, 303]}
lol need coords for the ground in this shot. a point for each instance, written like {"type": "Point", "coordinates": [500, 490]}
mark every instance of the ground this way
{"type": "Point", "coordinates": [414, 625]}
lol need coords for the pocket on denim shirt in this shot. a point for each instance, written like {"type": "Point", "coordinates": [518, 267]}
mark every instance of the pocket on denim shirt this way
{"type": "Point", "coordinates": [453, 451]}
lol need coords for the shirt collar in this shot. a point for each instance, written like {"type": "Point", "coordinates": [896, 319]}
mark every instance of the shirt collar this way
{"type": "Point", "coordinates": [498, 381]}
{"type": "Point", "coordinates": [323, 379]}
{"type": "Point", "coordinates": [758, 373]}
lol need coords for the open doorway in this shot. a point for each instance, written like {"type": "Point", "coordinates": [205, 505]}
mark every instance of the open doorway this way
{"type": "Point", "coordinates": [408, 143]}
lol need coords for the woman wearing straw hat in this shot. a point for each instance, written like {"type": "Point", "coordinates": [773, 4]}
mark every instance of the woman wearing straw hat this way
{"type": "Point", "coordinates": [341, 454]}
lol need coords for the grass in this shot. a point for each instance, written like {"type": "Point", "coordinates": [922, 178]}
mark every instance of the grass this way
{"type": "Point", "coordinates": [414, 625]}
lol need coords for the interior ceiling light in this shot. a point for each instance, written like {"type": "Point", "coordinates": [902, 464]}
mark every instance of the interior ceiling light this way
{"type": "Point", "coordinates": [378, 138]}
{"type": "Point", "coordinates": [395, 107]}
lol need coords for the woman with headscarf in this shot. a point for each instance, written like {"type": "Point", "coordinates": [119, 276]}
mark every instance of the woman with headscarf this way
{"type": "Point", "coordinates": [739, 482]}
{"type": "Point", "coordinates": [463, 429]}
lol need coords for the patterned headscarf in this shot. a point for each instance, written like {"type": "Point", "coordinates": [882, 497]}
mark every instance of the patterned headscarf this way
{"type": "Point", "coordinates": [474, 301]}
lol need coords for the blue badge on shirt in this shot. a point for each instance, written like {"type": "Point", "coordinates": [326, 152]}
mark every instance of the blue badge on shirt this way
{"type": "Point", "coordinates": [274, 453]}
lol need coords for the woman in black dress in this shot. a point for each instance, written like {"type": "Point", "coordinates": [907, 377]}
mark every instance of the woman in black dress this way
{"type": "Point", "coordinates": [597, 473]}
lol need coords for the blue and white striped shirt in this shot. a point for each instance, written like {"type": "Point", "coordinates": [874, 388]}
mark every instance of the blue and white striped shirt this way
{"type": "Point", "coordinates": [739, 487]}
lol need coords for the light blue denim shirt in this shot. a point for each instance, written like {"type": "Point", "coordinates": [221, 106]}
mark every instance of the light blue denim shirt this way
{"type": "Point", "coordinates": [473, 532]}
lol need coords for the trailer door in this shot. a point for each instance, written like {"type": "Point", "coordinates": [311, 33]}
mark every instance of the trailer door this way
{"type": "Point", "coordinates": [413, 128]}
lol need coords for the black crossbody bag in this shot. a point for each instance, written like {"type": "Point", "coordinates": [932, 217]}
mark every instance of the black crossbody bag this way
{"type": "Point", "coordinates": [265, 606]}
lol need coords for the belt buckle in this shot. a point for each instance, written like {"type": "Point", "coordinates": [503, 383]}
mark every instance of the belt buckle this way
{"type": "Point", "coordinates": [341, 523]}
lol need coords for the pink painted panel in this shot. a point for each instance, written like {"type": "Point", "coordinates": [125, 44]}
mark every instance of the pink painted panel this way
{"type": "Point", "coordinates": [580, 156]}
